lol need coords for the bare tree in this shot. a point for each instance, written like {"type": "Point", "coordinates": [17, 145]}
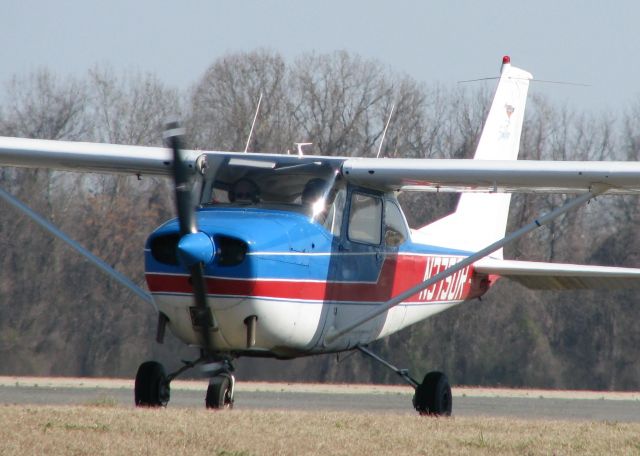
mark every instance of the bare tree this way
{"type": "Point", "coordinates": [334, 99]}
{"type": "Point", "coordinates": [339, 102]}
{"type": "Point", "coordinates": [131, 109]}
{"type": "Point", "coordinates": [224, 101]}
{"type": "Point", "coordinates": [41, 106]}
{"type": "Point", "coordinates": [104, 213]}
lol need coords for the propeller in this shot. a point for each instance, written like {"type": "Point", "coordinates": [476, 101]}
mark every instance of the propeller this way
{"type": "Point", "coordinates": [195, 248]}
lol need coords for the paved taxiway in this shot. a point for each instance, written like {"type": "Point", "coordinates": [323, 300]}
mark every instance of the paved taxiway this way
{"type": "Point", "coordinates": [534, 404]}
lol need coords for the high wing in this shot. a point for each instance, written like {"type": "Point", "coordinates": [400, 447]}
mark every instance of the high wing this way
{"type": "Point", "coordinates": [136, 160]}
{"type": "Point", "coordinates": [558, 276]}
{"type": "Point", "coordinates": [85, 156]}
{"type": "Point", "coordinates": [385, 174]}
{"type": "Point", "coordinates": [528, 176]}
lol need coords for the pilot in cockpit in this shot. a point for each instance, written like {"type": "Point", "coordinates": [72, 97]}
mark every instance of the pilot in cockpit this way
{"type": "Point", "coordinates": [244, 191]}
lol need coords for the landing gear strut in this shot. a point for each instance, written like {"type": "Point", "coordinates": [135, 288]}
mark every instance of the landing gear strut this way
{"type": "Point", "coordinates": [152, 384]}
{"type": "Point", "coordinates": [432, 396]}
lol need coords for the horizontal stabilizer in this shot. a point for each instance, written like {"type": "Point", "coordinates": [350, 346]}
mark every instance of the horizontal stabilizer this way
{"type": "Point", "coordinates": [557, 276]}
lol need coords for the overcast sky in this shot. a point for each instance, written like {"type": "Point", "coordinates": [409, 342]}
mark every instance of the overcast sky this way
{"type": "Point", "coordinates": [593, 42]}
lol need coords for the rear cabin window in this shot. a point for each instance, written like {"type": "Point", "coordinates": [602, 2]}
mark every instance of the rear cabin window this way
{"type": "Point", "coordinates": [395, 229]}
{"type": "Point", "coordinates": [365, 218]}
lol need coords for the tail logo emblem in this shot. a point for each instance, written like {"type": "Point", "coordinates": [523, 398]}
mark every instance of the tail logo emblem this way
{"type": "Point", "coordinates": [509, 109]}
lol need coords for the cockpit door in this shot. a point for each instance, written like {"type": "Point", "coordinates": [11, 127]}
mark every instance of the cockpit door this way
{"type": "Point", "coordinates": [357, 262]}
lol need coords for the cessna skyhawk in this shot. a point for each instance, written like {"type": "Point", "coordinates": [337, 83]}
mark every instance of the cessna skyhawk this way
{"type": "Point", "coordinates": [276, 255]}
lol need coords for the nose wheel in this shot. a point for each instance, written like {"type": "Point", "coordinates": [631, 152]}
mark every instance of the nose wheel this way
{"type": "Point", "coordinates": [220, 392]}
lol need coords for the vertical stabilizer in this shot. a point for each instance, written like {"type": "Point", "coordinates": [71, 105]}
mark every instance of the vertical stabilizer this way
{"type": "Point", "coordinates": [480, 218]}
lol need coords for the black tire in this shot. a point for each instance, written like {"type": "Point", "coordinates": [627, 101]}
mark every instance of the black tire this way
{"type": "Point", "coordinates": [151, 387]}
{"type": "Point", "coordinates": [433, 395]}
{"type": "Point", "coordinates": [219, 394]}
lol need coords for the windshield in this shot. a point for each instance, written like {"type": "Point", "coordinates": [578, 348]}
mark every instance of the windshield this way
{"type": "Point", "coordinates": [308, 188]}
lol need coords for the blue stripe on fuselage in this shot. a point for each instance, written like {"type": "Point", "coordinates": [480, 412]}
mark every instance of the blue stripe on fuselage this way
{"type": "Point", "coordinates": [287, 245]}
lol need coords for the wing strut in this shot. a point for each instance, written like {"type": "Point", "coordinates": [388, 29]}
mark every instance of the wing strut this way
{"type": "Point", "coordinates": [51, 228]}
{"type": "Point", "coordinates": [334, 333]}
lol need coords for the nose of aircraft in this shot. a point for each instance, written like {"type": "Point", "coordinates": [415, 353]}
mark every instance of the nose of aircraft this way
{"type": "Point", "coordinates": [196, 248]}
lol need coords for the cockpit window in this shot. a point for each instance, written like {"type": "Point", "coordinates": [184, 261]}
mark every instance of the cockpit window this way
{"type": "Point", "coordinates": [365, 218]}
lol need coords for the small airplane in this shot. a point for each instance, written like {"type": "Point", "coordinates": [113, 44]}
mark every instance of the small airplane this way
{"type": "Point", "coordinates": [278, 255]}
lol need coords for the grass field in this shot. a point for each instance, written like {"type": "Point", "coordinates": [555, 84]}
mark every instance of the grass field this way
{"type": "Point", "coordinates": [108, 429]}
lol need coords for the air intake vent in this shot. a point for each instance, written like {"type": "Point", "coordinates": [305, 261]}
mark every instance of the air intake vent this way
{"type": "Point", "coordinates": [231, 251]}
{"type": "Point", "coordinates": [164, 248]}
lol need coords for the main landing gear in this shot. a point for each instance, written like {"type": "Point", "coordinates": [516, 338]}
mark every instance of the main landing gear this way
{"type": "Point", "coordinates": [152, 383]}
{"type": "Point", "coordinates": [432, 396]}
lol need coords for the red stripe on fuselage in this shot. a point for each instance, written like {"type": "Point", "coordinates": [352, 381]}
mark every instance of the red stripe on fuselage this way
{"type": "Point", "coordinates": [399, 273]}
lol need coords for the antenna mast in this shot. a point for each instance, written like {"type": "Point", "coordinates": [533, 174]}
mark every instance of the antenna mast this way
{"type": "Point", "coordinates": [384, 133]}
{"type": "Point", "coordinates": [253, 124]}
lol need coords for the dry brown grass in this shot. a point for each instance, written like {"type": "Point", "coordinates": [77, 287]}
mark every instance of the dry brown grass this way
{"type": "Point", "coordinates": [111, 430]}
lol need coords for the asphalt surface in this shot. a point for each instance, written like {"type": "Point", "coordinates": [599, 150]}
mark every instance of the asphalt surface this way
{"type": "Point", "coordinates": [466, 402]}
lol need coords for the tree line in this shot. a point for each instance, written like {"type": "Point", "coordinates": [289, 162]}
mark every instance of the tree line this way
{"type": "Point", "coordinates": [59, 316]}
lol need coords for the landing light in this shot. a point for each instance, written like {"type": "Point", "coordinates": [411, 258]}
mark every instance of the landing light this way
{"type": "Point", "coordinates": [252, 163]}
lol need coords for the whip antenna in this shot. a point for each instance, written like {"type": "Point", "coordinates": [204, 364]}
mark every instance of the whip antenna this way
{"type": "Point", "coordinates": [384, 133]}
{"type": "Point", "coordinates": [253, 124]}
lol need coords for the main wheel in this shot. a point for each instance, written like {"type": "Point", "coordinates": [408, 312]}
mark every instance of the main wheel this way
{"type": "Point", "coordinates": [433, 395]}
{"type": "Point", "coordinates": [151, 387]}
{"type": "Point", "coordinates": [220, 393]}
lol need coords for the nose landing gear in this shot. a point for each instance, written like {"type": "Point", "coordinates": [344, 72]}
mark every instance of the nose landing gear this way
{"type": "Point", "coordinates": [221, 385]}
{"type": "Point", "coordinates": [152, 385]}
{"type": "Point", "coordinates": [220, 392]}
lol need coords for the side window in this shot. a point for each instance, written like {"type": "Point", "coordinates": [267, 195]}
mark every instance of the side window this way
{"type": "Point", "coordinates": [365, 218]}
{"type": "Point", "coordinates": [395, 229]}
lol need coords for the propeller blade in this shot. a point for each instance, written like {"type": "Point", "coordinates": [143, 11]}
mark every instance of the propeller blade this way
{"type": "Point", "coordinates": [181, 174]}
{"type": "Point", "coordinates": [192, 246]}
